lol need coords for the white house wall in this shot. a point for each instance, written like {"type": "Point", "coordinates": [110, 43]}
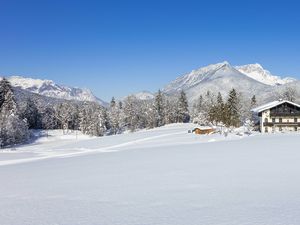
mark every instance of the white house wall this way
{"type": "Point", "coordinates": [271, 129]}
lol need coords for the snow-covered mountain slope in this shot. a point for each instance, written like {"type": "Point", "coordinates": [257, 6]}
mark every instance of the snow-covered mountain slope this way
{"type": "Point", "coordinates": [193, 78]}
{"type": "Point", "coordinates": [222, 77]}
{"type": "Point", "coordinates": [257, 72]}
{"type": "Point", "coordinates": [50, 89]}
{"type": "Point", "coordinates": [144, 95]}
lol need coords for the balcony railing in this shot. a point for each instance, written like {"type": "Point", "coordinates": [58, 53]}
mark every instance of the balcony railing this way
{"type": "Point", "coordinates": [270, 124]}
{"type": "Point", "coordinates": [290, 114]}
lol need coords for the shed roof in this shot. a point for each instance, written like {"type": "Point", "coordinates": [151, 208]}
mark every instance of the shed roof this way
{"type": "Point", "coordinates": [272, 105]}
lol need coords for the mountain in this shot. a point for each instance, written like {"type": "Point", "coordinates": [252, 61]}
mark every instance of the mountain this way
{"type": "Point", "coordinates": [144, 95]}
{"type": "Point", "coordinates": [50, 89]}
{"type": "Point", "coordinates": [193, 78]}
{"type": "Point", "coordinates": [257, 72]}
{"type": "Point", "coordinates": [222, 77]}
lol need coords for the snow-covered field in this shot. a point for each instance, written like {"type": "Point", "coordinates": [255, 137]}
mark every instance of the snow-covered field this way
{"type": "Point", "coordinates": [160, 176]}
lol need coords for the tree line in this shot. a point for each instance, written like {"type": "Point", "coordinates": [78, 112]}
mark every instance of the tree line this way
{"type": "Point", "coordinates": [231, 112]}
{"type": "Point", "coordinates": [18, 118]}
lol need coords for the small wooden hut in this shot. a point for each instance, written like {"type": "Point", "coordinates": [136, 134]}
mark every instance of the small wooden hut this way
{"type": "Point", "coordinates": [207, 130]}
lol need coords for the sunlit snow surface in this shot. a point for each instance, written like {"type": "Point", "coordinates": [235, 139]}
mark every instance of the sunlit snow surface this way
{"type": "Point", "coordinates": [161, 176]}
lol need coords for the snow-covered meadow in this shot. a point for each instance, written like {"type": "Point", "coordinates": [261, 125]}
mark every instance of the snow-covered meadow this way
{"type": "Point", "coordinates": [160, 176]}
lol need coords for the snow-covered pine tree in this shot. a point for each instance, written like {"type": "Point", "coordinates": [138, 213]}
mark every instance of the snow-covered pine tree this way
{"type": "Point", "coordinates": [182, 110]}
{"type": "Point", "coordinates": [83, 118]}
{"type": "Point", "coordinates": [200, 114]}
{"type": "Point", "coordinates": [159, 106]}
{"type": "Point", "coordinates": [170, 111]}
{"type": "Point", "coordinates": [13, 130]}
{"type": "Point", "coordinates": [200, 103]}
{"type": "Point", "coordinates": [205, 105]}
{"type": "Point", "coordinates": [63, 114]}
{"type": "Point", "coordinates": [287, 92]}
{"type": "Point", "coordinates": [251, 118]}
{"type": "Point", "coordinates": [130, 113]}
{"type": "Point", "coordinates": [97, 121]}
{"type": "Point", "coordinates": [232, 109]}
{"type": "Point", "coordinates": [150, 115]}
{"type": "Point", "coordinates": [220, 109]}
{"type": "Point", "coordinates": [216, 110]}
{"type": "Point", "coordinates": [92, 119]}
{"type": "Point", "coordinates": [74, 116]}
{"type": "Point", "coordinates": [114, 114]}
{"type": "Point", "coordinates": [31, 114]}
{"type": "Point", "coordinates": [253, 103]}
{"type": "Point", "coordinates": [48, 118]}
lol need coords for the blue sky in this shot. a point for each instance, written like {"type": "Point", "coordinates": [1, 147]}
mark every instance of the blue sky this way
{"type": "Point", "coordinates": [120, 47]}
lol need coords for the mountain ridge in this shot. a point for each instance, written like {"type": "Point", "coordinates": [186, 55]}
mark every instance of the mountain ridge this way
{"type": "Point", "coordinates": [249, 80]}
{"type": "Point", "coordinates": [49, 88]}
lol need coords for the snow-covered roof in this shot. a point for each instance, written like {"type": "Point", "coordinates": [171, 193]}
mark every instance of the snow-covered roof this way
{"type": "Point", "coordinates": [203, 128]}
{"type": "Point", "coordinates": [271, 105]}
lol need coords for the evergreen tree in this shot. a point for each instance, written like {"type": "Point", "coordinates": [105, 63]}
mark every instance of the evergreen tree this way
{"type": "Point", "coordinates": [112, 102]}
{"type": "Point", "coordinates": [93, 119]}
{"type": "Point", "coordinates": [31, 114]}
{"type": "Point", "coordinates": [182, 110]}
{"type": "Point", "coordinates": [13, 130]}
{"type": "Point", "coordinates": [232, 109]}
{"type": "Point", "coordinates": [159, 109]}
{"type": "Point", "coordinates": [114, 116]}
{"type": "Point", "coordinates": [48, 119]}
{"type": "Point", "coordinates": [253, 102]}
{"type": "Point", "coordinates": [216, 110]}
{"type": "Point", "coordinates": [130, 113]}
{"type": "Point", "coordinates": [220, 109]}
{"type": "Point", "coordinates": [83, 118]}
{"type": "Point", "coordinates": [170, 111]}
{"type": "Point", "coordinates": [200, 103]}
{"type": "Point", "coordinates": [64, 116]}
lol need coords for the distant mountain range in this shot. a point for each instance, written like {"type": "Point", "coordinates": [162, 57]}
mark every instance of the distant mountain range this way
{"type": "Point", "coordinates": [250, 80]}
{"type": "Point", "coordinates": [50, 89]}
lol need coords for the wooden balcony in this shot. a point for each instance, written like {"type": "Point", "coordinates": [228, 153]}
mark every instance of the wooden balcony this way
{"type": "Point", "coordinates": [284, 114]}
{"type": "Point", "coordinates": [271, 124]}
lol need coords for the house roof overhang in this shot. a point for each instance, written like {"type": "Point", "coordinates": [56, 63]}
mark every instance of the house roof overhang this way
{"type": "Point", "coordinates": [272, 105]}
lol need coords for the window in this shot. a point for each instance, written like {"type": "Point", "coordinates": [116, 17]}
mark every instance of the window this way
{"type": "Point", "coordinates": [266, 130]}
{"type": "Point", "coordinates": [280, 120]}
{"type": "Point", "coordinates": [295, 128]}
{"type": "Point", "coordinates": [266, 120]}
{"type": "Point", "coordinates": [273, 120]}
{"type": "Point", "coordinates": [280, 128]}
{"type": "Point", "coordinates": [295, 120]}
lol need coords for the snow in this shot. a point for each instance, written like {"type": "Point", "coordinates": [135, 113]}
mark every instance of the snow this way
{"type": "Point", "coordinates": [257, 72]}
{"type": "Point", "coordinates": [143, 95]}
{"type": "Point", "coordinates": [249, 80]}
{"type": "Point", "coordinates": [50, 89]}
{"type": "Point", "coordinates": [159, 176]}
{"type": "Point", "coordinates": [193, 78]}
{"type": "Point", "coordinates": [272, 104]}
